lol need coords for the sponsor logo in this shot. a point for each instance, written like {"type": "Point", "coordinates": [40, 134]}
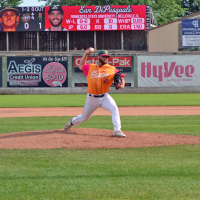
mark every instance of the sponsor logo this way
{"type": "Point", "coordinates": [26, 17]}
{"type": "Point", "coordinates": [28, 67]}
{"type": "Point", "coordinates": [27, 71]}
{"type": "Point", "coordinates": [22, 74]}
{"type": "Point", "coordinates": [166, 70]}
{"type": "Point", "coordinates": [195, 23]}
{"type": "Point", "coordinates": [114, 61]}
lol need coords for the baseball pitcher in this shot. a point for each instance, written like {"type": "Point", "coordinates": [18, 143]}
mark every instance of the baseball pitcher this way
{"type": "Point", "coordinates": [99, 79]}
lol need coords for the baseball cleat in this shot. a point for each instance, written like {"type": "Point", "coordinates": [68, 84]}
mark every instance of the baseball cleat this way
{"type": "Point", "coordinates": [69, 124]}
{"type": "Point", "coordinates": [118, 134]}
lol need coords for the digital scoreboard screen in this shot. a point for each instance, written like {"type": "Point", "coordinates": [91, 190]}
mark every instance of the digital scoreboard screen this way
{"type": "Point", "coordinates": [22, 19]}
{"type": "Point", "coordinates": [75, 18]}
{"type": "Point", "coordinates": [103, 18]}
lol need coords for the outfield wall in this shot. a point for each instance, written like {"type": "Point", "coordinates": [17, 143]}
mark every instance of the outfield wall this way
{"type": "Point", "coordinates": [59, 73]}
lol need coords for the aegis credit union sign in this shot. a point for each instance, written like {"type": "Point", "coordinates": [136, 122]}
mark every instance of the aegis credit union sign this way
{"type": "Point", "coordinates": [37, 72]}
{"type": "Point", "coordinates": [168, 71]}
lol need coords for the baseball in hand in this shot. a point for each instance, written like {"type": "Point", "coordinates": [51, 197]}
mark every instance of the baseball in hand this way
{"type": "Point", "coordinates": [91, 49]}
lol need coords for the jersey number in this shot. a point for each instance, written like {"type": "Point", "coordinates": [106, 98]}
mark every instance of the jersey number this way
{"type": "Point", "coordinates": [105, 81]}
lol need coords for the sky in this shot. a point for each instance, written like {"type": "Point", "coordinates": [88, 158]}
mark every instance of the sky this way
{"type": "Point", "coordinates": [30, 3]}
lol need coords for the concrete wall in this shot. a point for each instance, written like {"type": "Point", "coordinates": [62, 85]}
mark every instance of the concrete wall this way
{"type": "Point", "coordinates": [132, 90]}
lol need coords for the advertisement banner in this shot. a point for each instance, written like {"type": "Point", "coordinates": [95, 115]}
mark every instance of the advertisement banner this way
{"type": "Point", "coordinates": [37, 72]}
{"type": "Point", "coordinates": [122, 63]}
{"type": "Point", "coordinates": [168, 71]}
{"type": "Point", "coordinates": [22, 19]}
{"type": "Point", "coordinates": [190, 32]}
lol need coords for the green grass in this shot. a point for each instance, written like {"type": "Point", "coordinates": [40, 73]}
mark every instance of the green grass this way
{"type": "Point", "coordinates": [181, 125]}
{"type": "Point", "coordinates": [156, 173]}
{"type": "Point", "coordinates": [78, 100]}
{"type": "Point", "coordinates": [141, 174]}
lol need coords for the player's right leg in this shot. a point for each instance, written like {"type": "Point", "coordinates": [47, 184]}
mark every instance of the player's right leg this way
{"type": "Point", "coordinates": [91, 104]}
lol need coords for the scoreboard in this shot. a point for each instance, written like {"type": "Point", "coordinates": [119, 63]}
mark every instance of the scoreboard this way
{"type": "Point", "coordinates": [27, 18]}
{"type": "Point", "coordinates": [85, 18]}
{"type": "Point", "coordinates": [99, 18]}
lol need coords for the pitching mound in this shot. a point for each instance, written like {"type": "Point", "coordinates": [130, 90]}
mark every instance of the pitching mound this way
{"type": "Point", "coordinates": [88, 138]}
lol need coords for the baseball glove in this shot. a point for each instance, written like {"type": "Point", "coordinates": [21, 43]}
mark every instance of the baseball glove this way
{"type": "Point", "coordinates": [117, 80]}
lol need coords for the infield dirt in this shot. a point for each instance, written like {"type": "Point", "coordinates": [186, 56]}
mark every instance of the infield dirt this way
{"type": "Point", "coordinates": [88, 138]}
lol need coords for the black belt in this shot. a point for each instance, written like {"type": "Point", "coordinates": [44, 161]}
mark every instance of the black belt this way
{"type": "Point", "coordinates": [97, 96]}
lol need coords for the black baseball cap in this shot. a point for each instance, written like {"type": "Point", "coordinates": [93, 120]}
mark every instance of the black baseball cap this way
{"type": "Point", "coordinates": [57, 8]}
{"type": "Point", "coordinates": [9, 9]}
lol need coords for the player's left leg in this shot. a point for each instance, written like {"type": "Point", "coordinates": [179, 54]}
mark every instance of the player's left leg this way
{"type": "Point", "coordinates": [108, 103]}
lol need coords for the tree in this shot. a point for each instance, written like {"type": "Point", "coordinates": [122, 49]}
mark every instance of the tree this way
{"type": "Point", "coordinates": [10, 3]}
{"type": "Point", "coordinates": [164, 10]}
{"type": "Point", "coordinates": [92, 2]}
{"type": "Point", "coordinates": [192, 6]}
{"type": "Point", "coordinates": [62, 2]}
{"type": "Point", "coordinates": [167, 10]}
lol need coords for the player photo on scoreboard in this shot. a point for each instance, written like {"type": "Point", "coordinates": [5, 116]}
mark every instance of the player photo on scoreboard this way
{"type": "Point", "coordinates": [54, 19]}
{"type": "Point", "coordinates": [22, 19]}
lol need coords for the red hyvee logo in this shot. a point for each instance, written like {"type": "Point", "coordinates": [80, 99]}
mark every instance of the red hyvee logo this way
{"type": "Point", "coordinates": [115, 61]}
{"type": "Point", "coordinates": [166, 70]}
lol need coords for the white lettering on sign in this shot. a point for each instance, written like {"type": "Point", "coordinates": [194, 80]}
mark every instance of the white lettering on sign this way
{"type": "Point", "coordinates": [110, 27]}
{"type": "Point", "coordinates": [137, 26]}
{"type": "Point", "coordinates": [120, 62]}
{"type": "Point", "coordinates": [124, 26]}
{"type": "Point", "coordinates": [114, 61]}
{"type": "Point", "coordinates": [84, 10]}
{"type": "Point", "coordinates": [24, 68]}
{"type": "Point", "coordinates": [137, 20]}
{"type": "Point", "coordinates": [97, 27]}
{"type": "Point", "coordinates": [110, 21]}
{"type": "Point", "coordinates": [83, 27]}
{"type": "Point", "coordinates": [104, 9]}
{"type": "Point", "coordinates": [83, 21]}
{"type": "Point", "coordinates": [124, 21]}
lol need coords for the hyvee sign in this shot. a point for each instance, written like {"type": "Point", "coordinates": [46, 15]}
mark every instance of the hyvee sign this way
{"type": "Point", "coordinates": [123, 64]}
{"type": "Point", "coordinates": [168, 71]}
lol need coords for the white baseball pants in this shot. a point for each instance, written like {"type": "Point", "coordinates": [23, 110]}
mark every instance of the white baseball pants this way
{"type": "Point", "coordinates": [105, 102]}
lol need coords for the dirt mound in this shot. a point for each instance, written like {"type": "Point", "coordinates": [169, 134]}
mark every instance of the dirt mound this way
{"type": "Point", "coordinates": [88, 138]}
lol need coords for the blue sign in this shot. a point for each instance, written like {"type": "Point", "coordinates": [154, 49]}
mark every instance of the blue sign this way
{"type": "Point", "coordinates": [190, 32]}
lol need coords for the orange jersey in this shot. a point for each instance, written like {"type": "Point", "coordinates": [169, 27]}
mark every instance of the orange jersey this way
{"type": "Point", "coordinates": [99, 79]}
